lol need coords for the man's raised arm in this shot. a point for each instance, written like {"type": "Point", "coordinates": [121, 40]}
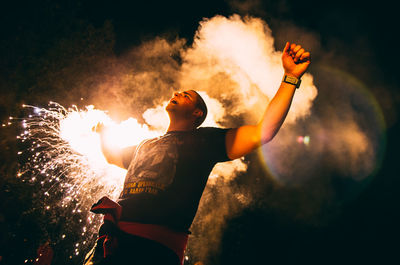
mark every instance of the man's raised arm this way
{"type": "Point", "coordinates": [241, 141]}
{"type": "Point", "coordinates": [119, 157]}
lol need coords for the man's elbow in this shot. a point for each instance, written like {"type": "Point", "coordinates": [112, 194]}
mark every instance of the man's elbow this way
{"type": "Point", "coordinates": [268, 134]}
{"type": "Point", "coordinates": [117, 163]}
{"type": "Point", "coordinates": [110, 160]}
{"type": "Point", "coordinates": [113, 160]}
{"type": "Point", "coordinates": [267, 138]}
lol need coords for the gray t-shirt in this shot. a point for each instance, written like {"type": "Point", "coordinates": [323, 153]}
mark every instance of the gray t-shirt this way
{"type": "Point", "coordinates": [167, 175]}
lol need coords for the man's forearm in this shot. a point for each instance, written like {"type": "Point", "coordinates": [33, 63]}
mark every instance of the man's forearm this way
{"type": "Point", "coordinates": [276, 112]}
{"type": "Point", "coordinates": [295, 61]}
{"type": "Point", "coordinates": [112, 155]}
{"type": "Point", "coordinates": [240, 141]}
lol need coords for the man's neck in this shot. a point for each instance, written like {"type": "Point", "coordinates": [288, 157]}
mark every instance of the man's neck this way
{"type": "Point", "coordinates": [180, 126]}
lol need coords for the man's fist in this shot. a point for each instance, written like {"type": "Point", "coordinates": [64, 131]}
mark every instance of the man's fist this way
{"type": "Point", "coordinates": [295, 60]}
{"type": "Point", "coordinates": [98, 128]}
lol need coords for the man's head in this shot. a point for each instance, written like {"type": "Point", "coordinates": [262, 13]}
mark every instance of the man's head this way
{"type": "Point", "coordinates": [187, 106]}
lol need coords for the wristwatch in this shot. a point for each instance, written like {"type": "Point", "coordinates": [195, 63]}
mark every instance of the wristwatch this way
{"type": "Point", "coordinates": [291, 80]}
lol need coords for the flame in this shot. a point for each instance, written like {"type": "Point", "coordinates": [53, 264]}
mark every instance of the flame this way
{"type": "Point", "coordinates": [76, 128]}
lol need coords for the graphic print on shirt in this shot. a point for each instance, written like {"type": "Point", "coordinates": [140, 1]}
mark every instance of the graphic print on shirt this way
{"type": "Point", "coordinates": [153, 167]}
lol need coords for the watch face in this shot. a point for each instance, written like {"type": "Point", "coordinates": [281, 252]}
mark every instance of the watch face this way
{"type": "Point", "coordinates": [292, 80]}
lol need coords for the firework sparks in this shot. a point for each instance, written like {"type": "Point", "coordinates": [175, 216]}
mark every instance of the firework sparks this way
{"type": "Point", "coordinates": [64, 156]}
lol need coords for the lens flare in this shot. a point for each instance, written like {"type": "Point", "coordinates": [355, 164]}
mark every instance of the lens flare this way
{"type": "Point", "coordinates": [344, 137]}
{"type": "Point", "coordinates": [303, 140]}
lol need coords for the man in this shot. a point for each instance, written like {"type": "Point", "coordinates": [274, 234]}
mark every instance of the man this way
{"type": "Point", "coordinates": [167, 175]}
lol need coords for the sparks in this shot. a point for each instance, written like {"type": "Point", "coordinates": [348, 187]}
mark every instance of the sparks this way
{"type": "Point", "coordinates": [65, 158]}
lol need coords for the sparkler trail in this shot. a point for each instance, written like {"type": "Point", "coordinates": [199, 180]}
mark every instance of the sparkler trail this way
{"type": "Point", "coordinates": [64, 157]}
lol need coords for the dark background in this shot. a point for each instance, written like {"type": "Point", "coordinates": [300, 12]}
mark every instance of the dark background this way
{"type": "Point", "coordinates": [361, 38]}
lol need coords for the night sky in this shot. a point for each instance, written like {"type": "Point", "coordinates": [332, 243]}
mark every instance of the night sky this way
{"type": "Point", "coordinates": [359, 38]}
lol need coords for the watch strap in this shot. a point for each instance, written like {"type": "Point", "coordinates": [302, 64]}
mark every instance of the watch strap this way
{"type": "Point", "coordinates": [291, 80]}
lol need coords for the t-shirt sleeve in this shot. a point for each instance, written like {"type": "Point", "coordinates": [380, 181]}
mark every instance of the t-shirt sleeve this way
{"type": "Point", "coordinates": [127, 154]}
{"type": "Point", "coordinates": [214, 143]}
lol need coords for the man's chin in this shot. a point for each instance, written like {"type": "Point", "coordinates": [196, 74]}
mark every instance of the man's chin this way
{"type": "Point", "coordinates": [170, 107]}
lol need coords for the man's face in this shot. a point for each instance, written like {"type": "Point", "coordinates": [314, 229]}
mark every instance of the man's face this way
{"type": "Point", "coordinates": [183, 103]}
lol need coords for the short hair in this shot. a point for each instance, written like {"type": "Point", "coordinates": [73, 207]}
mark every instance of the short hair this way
{"type": "Point", "coordinates": [200, 104]}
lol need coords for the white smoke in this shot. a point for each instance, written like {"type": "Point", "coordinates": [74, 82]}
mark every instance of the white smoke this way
{"type": "Point", "coordinates": [234, 59]}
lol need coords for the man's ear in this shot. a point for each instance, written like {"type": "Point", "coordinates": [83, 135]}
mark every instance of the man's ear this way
{"type": "Point", "coordinates": [198, 113]}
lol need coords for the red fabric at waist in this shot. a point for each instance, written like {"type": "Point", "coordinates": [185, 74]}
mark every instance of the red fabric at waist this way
{"type": "Point", "coordinates": [174, 240]}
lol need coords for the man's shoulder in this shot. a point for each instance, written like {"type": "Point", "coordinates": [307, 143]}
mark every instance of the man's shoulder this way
{"type": "Point", "coordinates": [213, 141]}
{"type": "Point", "coordinates": [211, 131]}
{"type": "Point", "coordinates": [208, 129]}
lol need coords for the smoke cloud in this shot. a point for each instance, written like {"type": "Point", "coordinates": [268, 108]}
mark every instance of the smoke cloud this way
{"type": "Point", "coordinates": [234, 60]}
{"type": "Point", "coordinates": [140, 79]}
